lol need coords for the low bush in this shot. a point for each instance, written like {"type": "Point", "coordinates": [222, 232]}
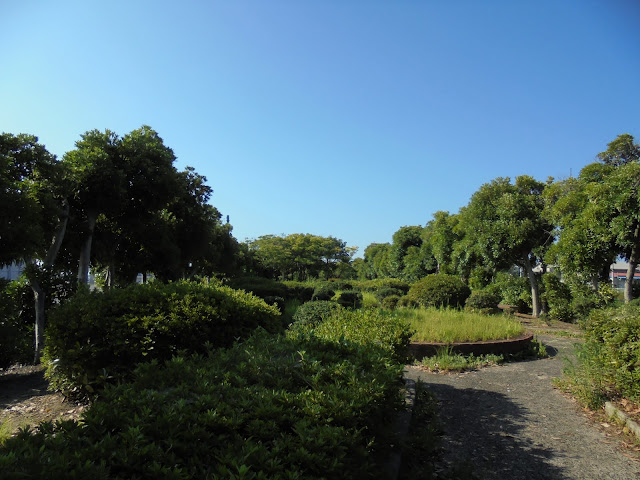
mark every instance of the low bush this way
{"type": "Point", "coordinates": [314, 312]}
{"type": "Point", "coordinates": [323, 292]}
{"type": "Point", "coordinates": [380, 283]}
{"type": "Point", "coordinates": [298, 291]}
{"type": "Point", "coordinates": [513, 290]}
{"type": "Point", "coordinates": [304, 407]}
{"type": "Point", "coordinates": [616, 332]}
{"type": "Point", "coordinates": [483, 301]}
{"type": "Point", "coordinates": [98, 338]}
{"type": "Point", "coordinates": [390, 302]}
{"type": "Point", "coordinates": [385, 292]}
{"type": "Point", "coordinates": [350, 299]}
{"type": "Point", "coordinates": [259, 286]}
{"type": "Point", "coordinates": [439, 290]}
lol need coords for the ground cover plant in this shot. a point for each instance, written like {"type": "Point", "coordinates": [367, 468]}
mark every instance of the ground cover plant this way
{"type": "Point", "coordinates": [319, 403]}
{"type": "Point", "coordinates": [450, 325]}
{"type": "Point", "coordinates": [97, 338]}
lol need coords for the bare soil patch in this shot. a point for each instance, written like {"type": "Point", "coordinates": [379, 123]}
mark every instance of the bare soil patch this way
{"type": "Point", "coordinates": [25, 399]}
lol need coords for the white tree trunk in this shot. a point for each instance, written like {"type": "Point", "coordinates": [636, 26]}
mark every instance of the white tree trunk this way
{"type": "Point", "coordinates": [535, 291]}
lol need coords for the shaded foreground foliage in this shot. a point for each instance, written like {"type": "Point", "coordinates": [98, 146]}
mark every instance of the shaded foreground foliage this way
{"type": "Point", "coordinates": [319, 402]}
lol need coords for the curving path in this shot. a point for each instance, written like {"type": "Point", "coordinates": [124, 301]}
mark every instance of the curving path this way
{"type": "Point", "coordinates": [509, 422]}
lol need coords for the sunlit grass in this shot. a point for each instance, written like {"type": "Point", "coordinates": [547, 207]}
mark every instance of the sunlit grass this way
{"type": "Point", "coordinates": [450, 326]}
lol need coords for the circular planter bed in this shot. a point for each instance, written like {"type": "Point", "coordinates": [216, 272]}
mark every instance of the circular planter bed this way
{"type": "Point", "coordinates": [497, 347]}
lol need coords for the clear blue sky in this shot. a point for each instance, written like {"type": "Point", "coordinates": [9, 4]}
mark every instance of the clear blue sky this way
{"type": "Point", "coordinates": [331, 117]}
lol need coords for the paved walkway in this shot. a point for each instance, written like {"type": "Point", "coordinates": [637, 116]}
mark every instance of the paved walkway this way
{"type": "Point", "coordinates": [509, 422]}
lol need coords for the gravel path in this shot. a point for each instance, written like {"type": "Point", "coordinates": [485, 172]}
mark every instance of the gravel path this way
{"type": "Point", "coordinates": [509, 422]}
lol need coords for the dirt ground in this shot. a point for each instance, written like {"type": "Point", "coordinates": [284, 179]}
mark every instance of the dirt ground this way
{"type": "Point", "coordinates": [25, 400]}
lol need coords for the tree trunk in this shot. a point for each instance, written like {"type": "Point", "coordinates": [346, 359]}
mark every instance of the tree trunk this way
{"type": "Point", "coordinates": [85, 251]}
{"type": "Point", "coordinates": [39, 295]}
{"type": "Point", "coordinates": [633, 262]}
{"type": "Point", "coordinates": [39, 298]}
{"type": "Point", "coordinates": [535, 291]}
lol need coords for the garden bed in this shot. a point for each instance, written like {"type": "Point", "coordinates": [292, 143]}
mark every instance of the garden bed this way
{"type": "Point", "coordinates": [497, 347]}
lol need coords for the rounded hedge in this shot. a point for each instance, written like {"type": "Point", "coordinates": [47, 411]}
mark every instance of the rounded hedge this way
{"type": "Point", "coordinates": [350, 299]}
{"type": "Point", "coordinates": [439, 290]}
{"type": "Point", "coordinates": [483, 301]}
{"type": "Point", "coordinates": [98, 337]}
{"type": "Point", "coordinates": [314, 312]}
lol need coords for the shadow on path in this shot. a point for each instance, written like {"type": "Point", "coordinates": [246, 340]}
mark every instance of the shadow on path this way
{"type": "Point", "coordinates": [486, 430]}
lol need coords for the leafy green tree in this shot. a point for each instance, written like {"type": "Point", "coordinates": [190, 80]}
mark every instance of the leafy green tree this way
{"type": "Point", "coordinates": [410, 259]}
{"type": "Point", "coordinates": [300, 256]}
{"type": "Point", "coordinates": [36, 211]}
{"type": "Point", "coordinates": [503, 225]}
{"type": "Point", "coordinates": [440, 234]}
{"type": "Point", "coordinates": [377, 262]}
{"type": "Point", "coordinates": [598, 214]}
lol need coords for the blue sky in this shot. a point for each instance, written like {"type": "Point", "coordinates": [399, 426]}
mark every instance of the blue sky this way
{"type": "Point", "coordinates": [342, 118]}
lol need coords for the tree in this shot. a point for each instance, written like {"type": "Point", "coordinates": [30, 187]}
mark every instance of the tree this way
{"type": "Point", "coordinates": [598, 214]}
{"type": "Point", "coordinates": [36, 211]}
{"type": "Point", "coordinates": [300, 256]}
{"type": "Point", "coordinates": [503, 225]}
{"type": "Point", "coordinates": [440, 235]}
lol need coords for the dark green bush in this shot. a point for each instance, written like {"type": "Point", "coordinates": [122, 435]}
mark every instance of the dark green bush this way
{"type": "Point", "coordinates": [514, 291]}
{"type": "Point", "coordinates": [483, 301]}
{"type": "Point", "coordinates": [97, 338]}
{"type": "Point", "coordinates": [259, 286]}
{"type": "Point", "coordinates": [323, 292]}
{"type": "Point", "coordinates": [557, 296]}
{"type": "Point", "coordinates": [385, 292]}
{"type": "Point", "coordinates": [17, 320]}
{"type": "Point", "coordinates": [304, 407]}
{"type": "Point", "coordinates": [380, 283]}
{"type": "Point", "coordinates": [314, 312]}
{"type": "Point", "coordinates": [439, 290]}
{"type": "Point", "coordinates": [390, 302]}
{"type": "Point", "coordinates": [298, 291]}
{"type": "Point", "coordinates": [350, 299]}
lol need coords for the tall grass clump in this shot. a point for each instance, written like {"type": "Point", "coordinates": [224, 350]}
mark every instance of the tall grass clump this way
{"type": "Point", "coordinates": [451, 326]}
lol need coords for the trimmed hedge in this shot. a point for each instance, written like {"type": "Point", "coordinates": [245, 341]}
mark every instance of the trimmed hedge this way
{"type": "Point", "coordinates": [483, 301]}
{"type": "Point", "coordinates": [439, 290]}
{"type": "Point", "coordinates": [350, 299]}
{"type": "Point", "coordinates": [310, 406]}
{"type": "Point", "coordinates": [98, 338]}
{"type": "Point", "coordinates": [314, 312]}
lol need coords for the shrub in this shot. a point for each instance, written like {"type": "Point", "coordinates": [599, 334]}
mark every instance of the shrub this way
{"type": "Point", "coordinates": [298, 291]}
{"type": "Point", "coordinates": [483, 301]}
{"type": "Point", "coordinates": [515, 291]}
{"type": "Point", "coordinates": [390, 302]}
{"type": "Point", "coordinates": [268, 408]}
{"type": "Point", "coordinates": [350, 299]}
{"type": "Point", "coordinates": [97, 338]}
{"type": "Point", "coordinates": [380, 283]}
{"type": "Point", "coordinates": [439, 290]}
{"type": "Point", "coordinates": [259, 286]}
{"type": "Point", "coordinates": [314, 312]}
{"type": "Point", "coordinates": [385, 292]}
{"type": "Point", "coordinates": [617, 334]}
{"type": "Point", "coordinates": [17, 318]}
{"type": "Point", "coordinates": [323, 292]}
